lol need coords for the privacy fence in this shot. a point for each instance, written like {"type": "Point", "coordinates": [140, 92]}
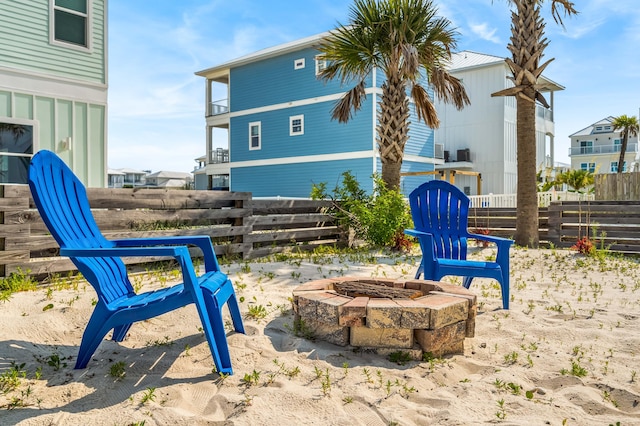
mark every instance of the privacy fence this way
{"type": "Point", "coordinates": [617, 186]}
{"type": "Point", "coordinates": [238, 225]}
{"type": "Point", "coordinates": [247, 228]}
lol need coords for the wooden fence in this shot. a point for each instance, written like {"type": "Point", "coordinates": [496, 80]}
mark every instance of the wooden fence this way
{"type": "Point", "coordinates": [238, 225]}
{"type": "Point", "coordinates": [614, 224]}
{"type": "Point", "coordinates": [501, 222]}
{"type": "Point", "coordinates": [248, 228]}
{"type": "Point", "coordinates": [620, 187]}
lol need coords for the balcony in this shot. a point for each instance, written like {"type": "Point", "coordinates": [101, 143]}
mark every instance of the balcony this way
{"type": "Point", "coordinates": [545, 113]}
{"type": "Point", "coordinates": [219, 156]}
{"type": "Point", "coordinates": [218, 107]}
{"type": "Point", "coordinates": [600, 149]}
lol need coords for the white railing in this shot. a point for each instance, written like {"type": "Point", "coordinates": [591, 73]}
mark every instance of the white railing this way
{"type": "Point", "coordinates": [509, 200]}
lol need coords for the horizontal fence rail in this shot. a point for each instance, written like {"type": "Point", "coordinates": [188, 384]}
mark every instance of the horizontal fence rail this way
{"type": "Point", "coordinates": [237, 224]}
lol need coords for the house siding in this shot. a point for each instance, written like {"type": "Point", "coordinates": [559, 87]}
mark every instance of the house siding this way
{"type": "Point", "coordinates": [24, 37]}
{"type": "Point", "coordinates": [321, 134]}
{"type": "Point", "coordinates": [61, 90]}
{"type": "Point", "coordinates": [421, 137]}
{"type": "Point", "coordinates": [275, 81]}
{"type": "Point", "coordinates": [296, 180]}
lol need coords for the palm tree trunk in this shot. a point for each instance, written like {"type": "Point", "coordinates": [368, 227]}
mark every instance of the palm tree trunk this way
{"type": "Point", "coordinates": [623, 150]}
{"type": "Point", "coordinates": [527, 194]}
{"type": "Point", "coordinates": [393, 129]}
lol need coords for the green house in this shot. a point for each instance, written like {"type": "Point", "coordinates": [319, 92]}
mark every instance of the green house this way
{"type": "Point", "coordinates": [53, 86]}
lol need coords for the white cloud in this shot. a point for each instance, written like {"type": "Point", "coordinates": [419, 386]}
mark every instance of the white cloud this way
{"type": "Point", "coordinates": [484, 32]}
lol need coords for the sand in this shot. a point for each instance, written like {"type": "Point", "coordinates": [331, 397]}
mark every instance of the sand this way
{"type": "Point", "coordinates": [566, 353]}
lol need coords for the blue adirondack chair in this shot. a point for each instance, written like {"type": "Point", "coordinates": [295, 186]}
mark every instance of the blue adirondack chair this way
{"type": "Point", "coordinates": [440, 211]}
{"type": "Point", "coordinates": [62, 202]}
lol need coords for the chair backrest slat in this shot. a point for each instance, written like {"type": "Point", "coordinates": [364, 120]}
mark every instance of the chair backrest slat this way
{"type": "Point", "coordinates": [64, 207]}
{"type": "Point", "coordinates": [442, 209]}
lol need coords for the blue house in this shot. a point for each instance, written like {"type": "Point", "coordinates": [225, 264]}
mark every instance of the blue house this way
{"type": "Point", "coordinates": [273, 115]}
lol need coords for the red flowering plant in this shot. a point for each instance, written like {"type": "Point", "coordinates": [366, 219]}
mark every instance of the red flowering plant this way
{"type": "Point", "coordinates": [584, 246]}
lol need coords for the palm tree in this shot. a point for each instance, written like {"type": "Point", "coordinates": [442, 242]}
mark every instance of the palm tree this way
{"type": "Point", "coordinates": [577, 179]}
{"type": "Point", "coordinates": [405, 40]}
{"type": "Point", "coordinates": [629, 127]}
{"type": "Point", "coordinates": [527, 48]}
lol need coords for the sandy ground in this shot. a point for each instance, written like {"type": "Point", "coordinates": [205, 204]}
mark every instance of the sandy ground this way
{"type": "Point", "coordinates": [566, 353]}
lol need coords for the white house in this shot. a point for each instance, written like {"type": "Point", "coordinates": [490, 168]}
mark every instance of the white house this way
{"type": "Point", "coordinates": [481, 138]}
{"type": "Point", "coordinates": [597, 148]}
{"type": "Point", "coordinates": [168, 179]}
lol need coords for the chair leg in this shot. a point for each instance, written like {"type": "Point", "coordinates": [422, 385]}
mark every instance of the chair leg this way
{"type": "Point", "coordinates": [216, 294]}
{"type": "Point", "coordinates": [466, 282]}
{"type": "Point", "coordinates": [97, 328]}
{"type": "Point", "coordinates": [120, 332]}
{"type": "Point", "coordinates": [420, 271]}
{"type": "Point", "coordinates": [234, 310]}
{"type": "Point", "coordinates": [504, 285]}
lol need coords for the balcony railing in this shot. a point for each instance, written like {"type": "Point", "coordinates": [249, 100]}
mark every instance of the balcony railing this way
{"type": "Point", "coordinates": [219, 155]}
{"type": "Point", "coordinates": [601, 149]}
{"type": "Point", "coordinates": [545, 113]}
{"type": "Point", "coordinates": [218, 107]}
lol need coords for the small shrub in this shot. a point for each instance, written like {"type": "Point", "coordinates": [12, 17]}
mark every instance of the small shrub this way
{"type": "Point", "coordinates": [379, 218]}
{"type": "Point", "coordinates": [584, 246]}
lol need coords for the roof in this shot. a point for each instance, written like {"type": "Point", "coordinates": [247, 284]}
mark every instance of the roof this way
{"type": "Point", "coordinates": [132, 171]}
{"type": "Point", "coordinates": [590, 129]}
{"type": "Point", "coordinates": [169, 175]}
{"type": "Point", "coordinates": [269, 52]}
{"type": "Point", "coordinates": [466, 60]}
{"type": "Point", "coordinates": [115, 172]}
{"type": "Point", "coordinates": [171, 183]}
{"type": "Point", "coordinates": [469, 59]}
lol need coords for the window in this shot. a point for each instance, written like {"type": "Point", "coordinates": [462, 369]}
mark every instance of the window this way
{"type": "Point", "coordinates": [321, 64]}
{"type": "Point", "coordinates": [588, 166]}
{"type": "Point", "coordinates": [598, 128]}
{"type": "Point", "coordinates": [607, 127]}
{"type": "Point", "coordinates": [71, 22]}
{"type": "Point", "coordinates": [16, 149]}
{"type": "Point", "coordinates": [255, 137]}
{"type": "Point", "coordinates": [617, 143]}
{"type": "Point", "coordinates": [586, 147]}
{"type": "Point", "coordinates": [296, 125]}
{"type": "Point", "coordinates": [298, 64]}
{"type": "Point", "coordinates": [614, 167]}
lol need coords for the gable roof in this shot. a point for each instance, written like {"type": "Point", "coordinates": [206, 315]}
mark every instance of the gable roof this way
{"type": "Point", "coordinates": [269, 52]}
{"type": "Point", "coordinates": [169, 175]}
{"type": "Point", "coordinates": [590, 129]}
{"type": "Point", "coordinates": [467, 60]}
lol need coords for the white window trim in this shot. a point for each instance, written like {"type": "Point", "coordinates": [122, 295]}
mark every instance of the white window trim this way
{"type": "Point", "coordinates": [319, 61]}
{"type": "Point", "coordinates": [298, 64]}
{"type": "Point", "coordinates": [291, 119]}
{"type": "Point", "coordinates": [52, 27]}
{"type": "Point", "coordinates": [36, 131]}
{"type": "Point", "coordinates": [259, 125]}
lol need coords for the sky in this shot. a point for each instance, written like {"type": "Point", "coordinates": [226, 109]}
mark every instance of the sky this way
{"type": "Point", "coordinates": [156, 102]}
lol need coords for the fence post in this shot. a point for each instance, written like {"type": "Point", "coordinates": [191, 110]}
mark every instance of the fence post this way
{"type": "Point", "coordinates": [555, 222]}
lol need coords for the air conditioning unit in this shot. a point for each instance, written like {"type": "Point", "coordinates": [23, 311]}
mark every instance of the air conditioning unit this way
{"type": "Point", "coordinates": [438, 150]}
{"type": "Point", "coordinates": [464, 155]}
{"type": "Point", "coordinates": [446, 157]}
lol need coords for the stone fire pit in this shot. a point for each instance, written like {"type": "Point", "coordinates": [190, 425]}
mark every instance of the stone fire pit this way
{"type": "Point", "coordinates": [386, 316]}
